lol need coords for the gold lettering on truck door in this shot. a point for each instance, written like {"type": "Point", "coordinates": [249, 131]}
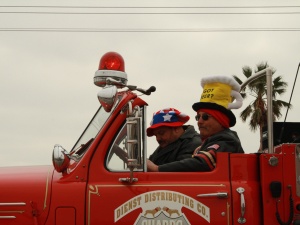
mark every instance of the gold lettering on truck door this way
{"type": "Point", "coordinates": [162, 205]}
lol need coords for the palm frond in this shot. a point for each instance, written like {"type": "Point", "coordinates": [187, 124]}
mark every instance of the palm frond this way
{"type": "Point", "coordinates": [247, 71]}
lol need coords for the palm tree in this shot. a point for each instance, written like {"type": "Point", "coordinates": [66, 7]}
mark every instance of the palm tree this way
{"type": "Point", "coordinates": [257, 109]}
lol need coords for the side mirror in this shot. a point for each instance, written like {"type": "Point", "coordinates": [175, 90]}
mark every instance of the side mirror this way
{"type": "Point", "coordinates": [133, 142]}
{"type": "Point", "coordinates": [60, 158]}
{"type": "Point", "coordinates": [134, 137]}
{"type": "Point", "coordinates": [107, 97]}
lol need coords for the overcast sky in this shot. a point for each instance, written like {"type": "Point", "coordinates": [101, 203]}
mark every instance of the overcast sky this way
{"type": "Point", "coordinates": [47, 93]}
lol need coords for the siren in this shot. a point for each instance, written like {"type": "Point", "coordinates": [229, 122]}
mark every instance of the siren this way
{"type": "Point", "coordinates": [111, 66]}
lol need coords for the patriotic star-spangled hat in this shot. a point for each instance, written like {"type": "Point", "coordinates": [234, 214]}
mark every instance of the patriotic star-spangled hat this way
{"type": "Point", "coordinates": [220, 93]}
{"type": "Point", "coordinates": [168, 117]}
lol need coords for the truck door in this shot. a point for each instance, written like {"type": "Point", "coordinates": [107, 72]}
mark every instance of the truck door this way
{"type": "Point", "coordinates": [117, 196]}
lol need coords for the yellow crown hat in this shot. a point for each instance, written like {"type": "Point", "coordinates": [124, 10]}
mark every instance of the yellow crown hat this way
{"type": "Point", "coordinates": [220, 93]}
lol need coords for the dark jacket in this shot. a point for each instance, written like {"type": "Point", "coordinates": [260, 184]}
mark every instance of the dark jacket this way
{"type": "Point", "coordinates": [204, 157]}
{"type": "Point", "coordinates": [182, 148]}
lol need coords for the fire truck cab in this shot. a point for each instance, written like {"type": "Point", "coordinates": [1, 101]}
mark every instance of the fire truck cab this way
{"type": "Point", "coordinates": [104, 178]}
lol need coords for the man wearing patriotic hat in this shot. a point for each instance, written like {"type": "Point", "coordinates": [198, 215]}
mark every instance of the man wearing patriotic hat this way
{"type": "Point", "coordinates": [214, 116]}
{"type": "Point", "coordinates": [176, 140]}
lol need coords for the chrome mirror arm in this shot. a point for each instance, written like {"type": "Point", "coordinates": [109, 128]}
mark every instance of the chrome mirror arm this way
{"type": "Point", "coordinates": [111, 81]}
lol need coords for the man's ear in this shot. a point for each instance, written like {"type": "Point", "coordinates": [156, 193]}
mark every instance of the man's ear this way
{"type": "Point", "coordinates": [178, 129]}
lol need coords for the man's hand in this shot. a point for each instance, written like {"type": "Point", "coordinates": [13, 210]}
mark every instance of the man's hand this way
{"type": "Point", "coordinates": [151, 167]}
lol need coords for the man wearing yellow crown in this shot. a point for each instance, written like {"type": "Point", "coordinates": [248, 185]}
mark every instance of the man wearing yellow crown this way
{"type": "Point", "coordinates": [220, 95]}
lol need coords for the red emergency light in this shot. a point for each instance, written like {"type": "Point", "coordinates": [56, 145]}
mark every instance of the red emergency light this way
{"type": "Point", "coordinates": [111, 66]}
{"type": "Point", "coordinates": [112, 61]}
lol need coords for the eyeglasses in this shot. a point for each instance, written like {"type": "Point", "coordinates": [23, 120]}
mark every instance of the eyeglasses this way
{"type": "Point", "coordinates": [204, 116]}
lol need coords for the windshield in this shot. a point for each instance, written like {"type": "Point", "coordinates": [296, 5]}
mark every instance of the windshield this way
{"type": "Point", "coordinates": [93, 128]}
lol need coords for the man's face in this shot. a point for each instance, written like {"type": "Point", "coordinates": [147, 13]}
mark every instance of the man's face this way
{"type": "Point", "coordinates": [165, 135]}
{"type": "Point", "coordinates": [208, 125]}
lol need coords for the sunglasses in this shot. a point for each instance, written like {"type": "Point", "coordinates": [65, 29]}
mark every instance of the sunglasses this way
{"type": "Point", "coordinates": [204, 116]}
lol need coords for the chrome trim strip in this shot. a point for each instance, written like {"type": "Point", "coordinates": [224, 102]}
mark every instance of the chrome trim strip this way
{"type": "Point", "coordinates": [12, 212]}
{"type": "Point", "coordinates": [164, 185]}
{"type": "Point", "coordinates": [218, 194]}
{"type": "Point", "coordinates": [12, 203]}
{"type": "Point", "coordinates": [7, 217]}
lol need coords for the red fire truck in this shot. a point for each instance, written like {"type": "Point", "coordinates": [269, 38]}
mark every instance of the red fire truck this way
{"type": "Point", "coordinates": [104, 179]}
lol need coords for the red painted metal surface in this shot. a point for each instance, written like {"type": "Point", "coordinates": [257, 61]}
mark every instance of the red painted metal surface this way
{"type": "Point", "coordinates": [25, 194]}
